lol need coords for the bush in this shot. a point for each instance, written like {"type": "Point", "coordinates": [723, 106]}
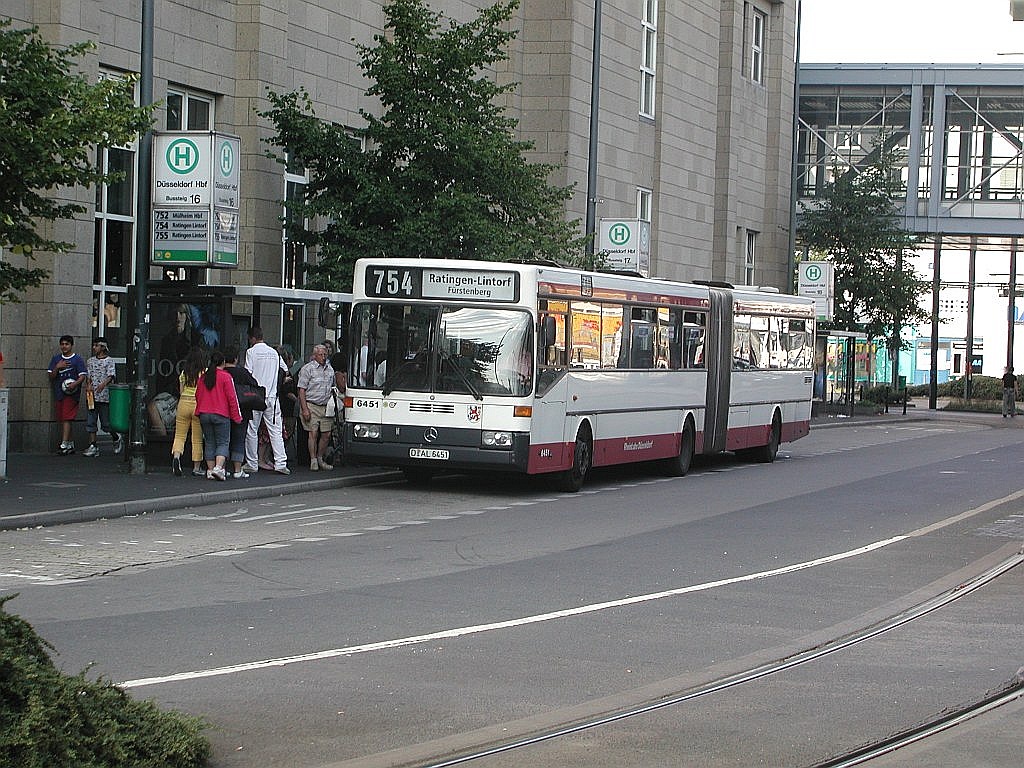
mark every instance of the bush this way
{"type": "Point", "coordinates": [49, 719]}
{"type": "Point", "coordinates": [982, 388]}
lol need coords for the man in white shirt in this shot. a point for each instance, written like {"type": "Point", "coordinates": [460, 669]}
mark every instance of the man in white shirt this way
{"type": "Point", "coordinates": [264, 362]}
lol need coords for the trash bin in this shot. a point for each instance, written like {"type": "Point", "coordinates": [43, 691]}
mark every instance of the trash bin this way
{"type": "Point", "coordinates": [120, 407]}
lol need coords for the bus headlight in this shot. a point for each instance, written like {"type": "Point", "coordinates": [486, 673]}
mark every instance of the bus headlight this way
{"type": "Point", "coordinates": [366, 431]}
{"type": "Point", "coordinates": [496, 439]}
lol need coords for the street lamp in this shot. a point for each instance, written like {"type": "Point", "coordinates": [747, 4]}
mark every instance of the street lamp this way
{"type": "Point", "coordinates": [595, 99]}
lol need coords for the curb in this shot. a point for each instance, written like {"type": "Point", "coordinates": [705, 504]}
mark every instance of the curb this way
{"type": "Point", "coordinates": [164, 503]}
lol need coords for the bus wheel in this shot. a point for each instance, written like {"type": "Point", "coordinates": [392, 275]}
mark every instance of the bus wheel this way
{"type": "Point", "coordinates": [417, 475]}
{"type": "Point", "coordinates": [571, 480]}
{"type": "Point", "coordinates": [765, 454]}
{"type": "Point", "coordinates": [677, 466]}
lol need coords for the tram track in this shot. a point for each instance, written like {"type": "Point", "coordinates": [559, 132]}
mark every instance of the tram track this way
{"type": "Point", "coordinates": [446, 754]}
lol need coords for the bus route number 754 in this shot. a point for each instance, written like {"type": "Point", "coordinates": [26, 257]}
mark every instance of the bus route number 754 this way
{"type": "Point", "coordinates": [390, 281]}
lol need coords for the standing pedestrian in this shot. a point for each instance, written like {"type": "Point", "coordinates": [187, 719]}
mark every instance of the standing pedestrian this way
{"type": "Point", "coordinates": [67, 373]}
{"type": "Point", "coordinates": [185, 418]}
{"type": "Point", "coordinates": [266, 365]}
{"type": "Point", "coordinates": [1011, 391]}
{"type": "Point", "coordinates": [217, 406]}
{"type": "Point", "coordinates": [101, 373]}
{"type": "Point", "coordinates": [236, 446]}
{"type": "Point", "coordinates": [315, 381]}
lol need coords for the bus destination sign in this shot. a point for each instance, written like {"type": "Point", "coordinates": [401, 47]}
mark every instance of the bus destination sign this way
{"type": "Point", "coordinates": [451, 284]}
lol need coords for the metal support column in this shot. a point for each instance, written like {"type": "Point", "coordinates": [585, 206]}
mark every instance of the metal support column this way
{"type": "Point", "coordinates": [933, 373]}
{"type": "Point", "coordinates": [972, 266]}
{"type": "Point", "coordinates": [1011, 303]}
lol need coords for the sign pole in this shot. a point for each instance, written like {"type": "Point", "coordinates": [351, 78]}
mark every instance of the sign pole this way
{"type": "Point", "coordinates": [137, 446]}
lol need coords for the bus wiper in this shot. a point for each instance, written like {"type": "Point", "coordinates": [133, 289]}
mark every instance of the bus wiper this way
{"type": "Point", "coordinates": [389, 381]}
{"type": "Point", "coordinates": [447, 358]}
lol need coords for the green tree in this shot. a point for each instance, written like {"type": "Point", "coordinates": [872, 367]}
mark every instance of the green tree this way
{"type": "Point", "coordinates": [51, 118]}
{"type": "Point", "coordinates": [855, 225]}
{"type": "Point", "coordinates": [440, 174]}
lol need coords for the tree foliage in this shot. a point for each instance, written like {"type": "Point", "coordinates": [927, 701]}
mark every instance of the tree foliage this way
{"type": "Point", "coordinates": [438, 173]}
{"type": "Point", "coordinates": [51, 118]}
{"type": "Point", "coordinates": [855, 225]}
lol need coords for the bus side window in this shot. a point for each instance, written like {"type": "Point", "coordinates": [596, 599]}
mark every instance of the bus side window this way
{"type": "Point", "coordinates": [551, 350]}
{"type": "Point", "coordinates": [693, 339]}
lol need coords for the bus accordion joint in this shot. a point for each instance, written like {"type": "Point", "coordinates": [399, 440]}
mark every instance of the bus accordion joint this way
{"type": "Point", "coordinates": [522, 411]}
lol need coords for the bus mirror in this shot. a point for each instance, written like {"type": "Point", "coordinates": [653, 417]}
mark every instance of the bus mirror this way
{"type": "Point", "coordinates": [548, 331]}
{"type": "Point", "coordinates": [327, 317]}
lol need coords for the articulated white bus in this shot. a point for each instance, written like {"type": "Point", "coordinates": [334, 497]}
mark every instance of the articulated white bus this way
{"type": "Point", "coordinates": [471, 365]}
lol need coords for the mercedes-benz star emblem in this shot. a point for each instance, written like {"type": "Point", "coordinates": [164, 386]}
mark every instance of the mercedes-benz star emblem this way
{"type": "Point", "coordinates": [430, 434]}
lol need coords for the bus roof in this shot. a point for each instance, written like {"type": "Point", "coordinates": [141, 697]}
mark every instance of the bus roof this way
{"type": "Point", "coordinates": [567, 283]}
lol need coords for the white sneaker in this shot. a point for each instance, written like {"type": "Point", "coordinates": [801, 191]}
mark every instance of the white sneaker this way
{"type": "Point", "coordinates": [240, 475]}
{"type": "Point", "coordinates": [314, 465]}
{"type": "Point", "coordinates": [92, 450]}
{"type": "Point", "coordinates": [248, 468]}
{"type": "Point", "coordinates": [119, 445]}
{"type": "Point", "coordinates": [325, 466]}
{"type": "Point", "coordinates": [282, 470]}
{"type": "Point", "coordinates": [218, 473]}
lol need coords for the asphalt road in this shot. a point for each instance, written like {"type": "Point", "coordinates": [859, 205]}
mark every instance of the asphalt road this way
{"type": "Point", "coordinates": [387, 625]}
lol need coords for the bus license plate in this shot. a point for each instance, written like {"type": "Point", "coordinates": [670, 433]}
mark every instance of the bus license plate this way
{"type": "Point", "coordinates": [428, 453]}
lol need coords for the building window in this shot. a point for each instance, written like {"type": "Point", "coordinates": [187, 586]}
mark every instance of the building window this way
{"type": "Point", "coordinates": [748, 258]}
{"type": "Point", "coordinates": [643, 204]}
{"type": "Point", "coordinates": [758, 22]}
{"type": "Point", "coordinates": [113, 241]}
{"type": "Point", "coordinates": [295, 180]}
{"type": "Point", "coordinates": [189, 111]}
{"type": "Point", "coordinates": [648, 57]}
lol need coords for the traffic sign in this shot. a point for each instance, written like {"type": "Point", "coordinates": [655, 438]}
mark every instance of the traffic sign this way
{"type": "Point", "coordinates": [196, 199]}
{"type": "Point", "coordinates": [180, 236]}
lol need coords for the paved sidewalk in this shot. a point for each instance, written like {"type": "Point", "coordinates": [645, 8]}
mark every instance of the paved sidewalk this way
{"type": "Point", "coordinates": [47, 489]}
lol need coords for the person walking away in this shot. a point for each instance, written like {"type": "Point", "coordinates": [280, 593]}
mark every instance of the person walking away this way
{"type": "Point", "coordinates": [264, 363]}
{"type": "Point", "coordinates": [185, 418]}
{"type": "Point", "coordinates": [236, 445]}
{"type": "Point", "coordinates": [1011, 391]}
{"type": "Point", "coordinates": [100, 374]}
{"type": "Point", "coordinates": [217, 406]}
{"type": "Point", "coordinates": [67, 373]}
{"type": "Point", "coordinates": [316, 378]}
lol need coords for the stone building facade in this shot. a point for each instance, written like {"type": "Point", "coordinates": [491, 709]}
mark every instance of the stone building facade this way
{"type": "Point", "coordinates": [695, 136]}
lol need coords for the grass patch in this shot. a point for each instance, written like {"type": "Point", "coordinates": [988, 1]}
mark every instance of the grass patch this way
{"type": "Point", "coordinates": [51, 720]}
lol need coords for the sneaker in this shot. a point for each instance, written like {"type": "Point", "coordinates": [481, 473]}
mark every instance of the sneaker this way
{"type": "Point", "coordinates": [218, 473]}
{"type": "Point", "coordinates": [92, 450]}
{"type": "Point", "coordinates": [66, 449]}
{"type": "Point", "coordinates": [118, 444]}
{"type": "Point", "coordinates": [249, 469]}
{"type": "Point", "coordinates": [314, 465]}
{"type": "Point", "coordinates": [176, 466]}
{"type": "Point", "coordinates": [240, 475]}
{"type": "Point", "coordinates": [324, 465]}
{"type": "Point", "coordinates": [282, 470]}
{"type": "Point", "coordinates": [201, 473]}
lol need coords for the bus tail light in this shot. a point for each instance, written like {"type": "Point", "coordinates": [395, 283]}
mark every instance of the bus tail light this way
{"type": "Point", "coordinates": [347, 401]}
{"type": "Point", "coordinates": [523, 411]}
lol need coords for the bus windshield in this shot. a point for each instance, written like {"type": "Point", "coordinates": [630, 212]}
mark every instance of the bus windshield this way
{"type": "Point", "coordinates": [438, 348]}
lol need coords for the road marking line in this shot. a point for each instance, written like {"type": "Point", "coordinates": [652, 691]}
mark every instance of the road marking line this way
{"type": "Point", "coordinates": [296, 519]}
{"type": "Point", "coordinates": [292, 512]}
{"type": "Point", "coordinates": [526, 620]}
